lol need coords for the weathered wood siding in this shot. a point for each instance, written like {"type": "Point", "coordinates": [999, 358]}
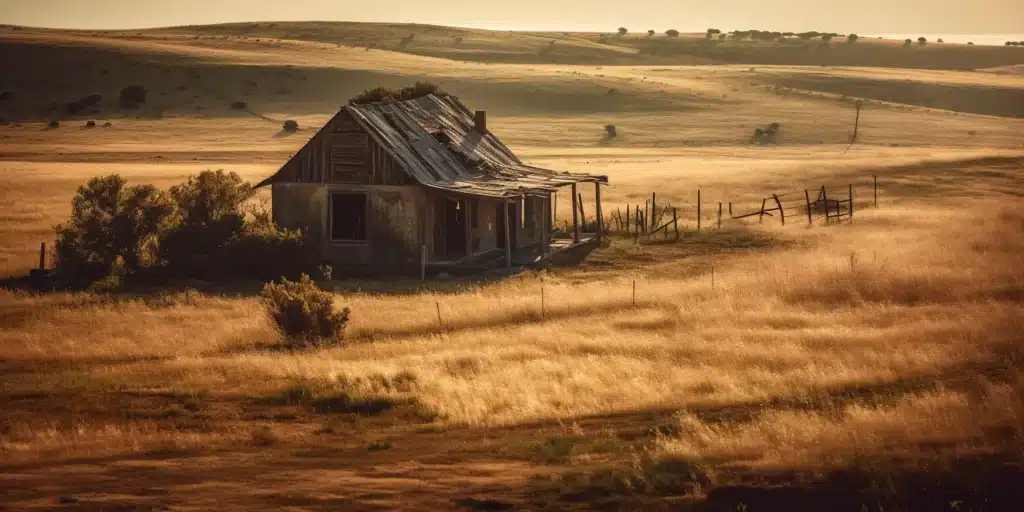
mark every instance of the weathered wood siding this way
{"type": "Point", "coordinates": [342, 152]}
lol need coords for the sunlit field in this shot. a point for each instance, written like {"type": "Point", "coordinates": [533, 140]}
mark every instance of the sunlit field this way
{"type": "Point", "coordinates": [666, 371]}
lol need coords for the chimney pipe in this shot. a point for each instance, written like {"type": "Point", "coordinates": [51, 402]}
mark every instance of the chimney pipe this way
{"type": "Point", "coordinates": [480, 122]}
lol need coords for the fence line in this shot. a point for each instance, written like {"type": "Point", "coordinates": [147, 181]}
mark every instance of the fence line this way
{"type": "Point", "coordinates": [648, 219]}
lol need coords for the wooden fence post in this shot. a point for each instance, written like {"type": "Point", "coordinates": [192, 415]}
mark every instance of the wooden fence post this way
{"type": "Point", "coordinates": [782, 214]}
{"type": "Point", "coordinates": [730, 209]}
{"type": "Point", "coordinates": [637, 221]}
{"type": "Point", "coordinates": [698, 210]}
{"type": "Point", "coordinates": [719, 215]}
{"type": "Point", "coordinates": [654, 208]}
{"type": "Point", "coordinates": [42, 256]}
{"type": "Point", "coordinates": [675, 222]}
{"type": "Point", "coordinates": [439, 321]}
{"type": "Point", "coordinates": [824, 197]}
{"type": "Point", "coordinates": [634, 293]}
{"type": "Point", "coordinates": [807, 197]}
{"type": "Point", "coordinates": [600, 214]}
{"type": "Point", "coordinates": [851, 201]}
{"type": "Point", "coordinates": [575, 219]}
{"type": "Point", "coordinates": [874, 179]}
{"type": "Point", "coordinates": [627, 218]}
{"type": "Point", "coordinates": [760, 217]}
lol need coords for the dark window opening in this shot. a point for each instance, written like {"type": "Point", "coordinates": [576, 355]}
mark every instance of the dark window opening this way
{"type": "Point", "coordinates": [348, 217]}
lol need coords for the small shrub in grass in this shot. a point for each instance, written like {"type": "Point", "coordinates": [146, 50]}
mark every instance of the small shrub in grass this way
{"type": "Point", "coordinates": [610, 131]}
{"type": "Point", "coordinates": [53, 125]}
{"type": "Point", "coordinates": [304, 313]}
{"type": "Point", "coordinates": [239, 105]}
{"type": "Point", "coordinates": [90, 124]}
{"type": "Point", "coordinates": [290, 126]}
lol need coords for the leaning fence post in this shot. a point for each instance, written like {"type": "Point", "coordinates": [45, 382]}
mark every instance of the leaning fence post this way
{"type": "Point", "coordinates": [807, 197]}
{"type": "Point", "coordinates": [730, 209]}
{"type": "Point", "coordinates": [782, 214]}
{"type": "Point", "coordinates": [439, 321]}
{"type": "Point", "coordinates": [760, 217]}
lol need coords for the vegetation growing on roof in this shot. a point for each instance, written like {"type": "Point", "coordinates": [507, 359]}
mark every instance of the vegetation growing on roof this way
{"type": "Point", "coordinates": [383, 94]}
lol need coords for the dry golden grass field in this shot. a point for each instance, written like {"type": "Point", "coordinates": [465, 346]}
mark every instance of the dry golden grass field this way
{"type": "Point", "coordinates": [868, 365]}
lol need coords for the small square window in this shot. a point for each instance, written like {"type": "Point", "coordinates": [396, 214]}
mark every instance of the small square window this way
{"type": "Point", "coordinates": [348, 217]}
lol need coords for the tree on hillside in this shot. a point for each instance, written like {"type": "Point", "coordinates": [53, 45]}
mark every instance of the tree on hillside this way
{"type": "Point", "coordinates": [623, 31]}
{"type": "Point", "coordinates": [907, 42]}
{"type": "Point", "coordinates": [721, 37]}
{"type": "Point", "coordinates": [672, 32]}
{"type": "Point", "coordinates": [650, 33]}
{"type": "Point", "coordinates": [711, 32]}
{"type": "Point", "coordinates": [939, 40]}
{"type": "Point", "coordinates": [922, 40]}
{"type": "Point", "coordinates": [826, 37]}
{"type": "Point", "coordinates": [852, 38]}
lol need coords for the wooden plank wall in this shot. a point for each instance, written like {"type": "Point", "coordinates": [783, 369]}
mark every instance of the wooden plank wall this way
{"type": "Point", "coordinates": [344, 153]}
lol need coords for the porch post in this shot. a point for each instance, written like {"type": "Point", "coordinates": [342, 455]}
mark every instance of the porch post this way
{"type": "Point", "coordinates": [600, 218]}
{"type": "Point", "coordinates": [575, 217]}
{"type": "Point", "coordinates": [508, 240]}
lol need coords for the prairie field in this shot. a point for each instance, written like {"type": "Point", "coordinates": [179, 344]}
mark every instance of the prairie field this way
{"type": "Point", "coordinates": [872, 364]}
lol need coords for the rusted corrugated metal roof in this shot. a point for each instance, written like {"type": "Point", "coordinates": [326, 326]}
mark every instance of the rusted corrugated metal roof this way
{"type": "Point", "coordinates": [434, 140]}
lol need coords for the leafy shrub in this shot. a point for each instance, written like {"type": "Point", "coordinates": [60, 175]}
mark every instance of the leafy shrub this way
{"type": "Point", "coordinates": [107, 124]}
{"type": "Point", "coordinates": [907, 42]}
{"type": "Point", "coordinates": [922, 40]}
{"type": "Point", "coordinates": [711, 32]}
{"type": "Point", "coordinates": [110, 221]}
{"type": "Point", "coordinates": [209, 213]}
{"type": "Point", "coordinates": [53, 125]}
{"type": "Point", "coordinates": [610, 131]}
{"type": "Point", "coordinates": [623, 31]}
{"type": "Point", "coordinates": [304, 313]}
{"type": "Point", "coordinates": [721, 37]}
{"type": "Point", "coordinates": [290, 126]}
{"type": "Point", "coordinates": [458, 40]}
{"type": "Point", "coordinates": [970, 43]}
{"type": "Point", "coordinates": [90, 124]}
{"type": "Point", "coordinates": [380, 94]}
{"type": "Point", "coordinates": [852, 38]}
{"type": "Point", "coordinates": [672, 32]}
{"type": "Point", "coordinates": [132, 96]}
{"type": "Point", "coordinates": [650, 33]}
{"type": "Point", "coordinates": [261, 250]}
{"type": "Point", "coordinates": [939, 40]}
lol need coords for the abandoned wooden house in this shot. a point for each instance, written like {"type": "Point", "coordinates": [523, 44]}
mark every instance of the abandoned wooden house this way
{"type": "Point", "coordinates": [421, 185]}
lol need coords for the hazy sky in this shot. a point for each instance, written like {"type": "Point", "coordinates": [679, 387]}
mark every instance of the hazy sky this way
{"type": "Point", "coordinates": [863, 16]}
